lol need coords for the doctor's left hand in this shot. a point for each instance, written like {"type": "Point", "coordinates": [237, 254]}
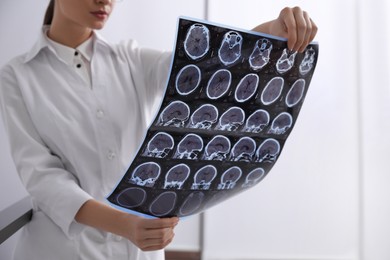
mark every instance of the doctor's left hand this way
{"type": "Point", "coordinates": [294, 24]}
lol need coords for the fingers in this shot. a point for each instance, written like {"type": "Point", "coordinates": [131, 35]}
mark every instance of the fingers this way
{"type": "Point", "coordinates": [311, 31]}
{"type": "Point", "coordinates": [158, 239]}
{"type": "Point", "coordinates": [161, 223]}
{"type": "Point", "coordinates": [153, 234]}
{"type": "Point", "coordinates": [300, 28]}
{"type": "Point", "coordinates": [314, 30]}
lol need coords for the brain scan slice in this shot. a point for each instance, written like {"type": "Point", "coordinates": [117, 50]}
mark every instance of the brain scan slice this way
{"type": "Point", "coordinates": [295, 94]}
{"type": "Point", "coordinates": [230, 50]}
{"type": "Point", "coordinates": [145, 174]}
{"type": "Point", "coordinates": [192, 203]}
{"type": "Point", "coordinates": [219, 84]}
{"type": "Point", "coordinates": [308, 61]}
{"type": "Point", "coordinates": [163, 204]}
{"type": "Point", "coordinates": [247, 87]}
{"type": "Point", "coordinates": [217, 148]}
{"type": "Point", "coordinates": [268, 151]}
{"type": "Point", "coordinates": [229, 178]}
{"type": "Point", "coordinates": [254, 177]}
{"type": "Point", "coordinates": [188, 79]}
{"type": "Point", "coordinates": [281, 124]}
{"type": "Point", "coordinates": [257, 121]}
{"type": "Point", "coordinates": [286, 61]}
{"type": "Point", "coordinates": [231, 120]}
{"type": "Point", "coordinates": [176, 176]}
{"type": "Point", "coordinates": [197, 41]}
{"type": "Point", "coordinates": [189, 147]}
{"type": "Point", "coordinates": [261, 54]}
{"type": "Point", "coordinates": [204, 117]}
{"type": "Point", "coordinates": [272, 90]}
{"type": "Point", "coordinates": [175, 114]}
{"type": "Point", "coordinates": [159, 146]}
{"type": "Point", "coordinates": [204, 177]}
{"type": "Point", "coordinates": [243, 150]}
{"type": "Point", "coordinates": [131, 197]}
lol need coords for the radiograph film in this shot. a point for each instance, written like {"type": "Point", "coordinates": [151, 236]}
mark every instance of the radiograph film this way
{"type": "Point", "coordinates": [231, 101]}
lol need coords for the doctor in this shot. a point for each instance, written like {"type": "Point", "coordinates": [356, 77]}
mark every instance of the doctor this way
{"type": "Point", "coordinates": [75, 108]}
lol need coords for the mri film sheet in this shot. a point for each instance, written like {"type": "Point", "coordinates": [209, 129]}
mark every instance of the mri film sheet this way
{"type": "Point", "coordinates": [231, 101]}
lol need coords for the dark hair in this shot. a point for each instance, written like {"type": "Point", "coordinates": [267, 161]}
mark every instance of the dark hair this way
{"type": "Point", "coordinates": [49, 13]}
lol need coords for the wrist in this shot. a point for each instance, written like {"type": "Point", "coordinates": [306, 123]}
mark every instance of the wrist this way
{"type": "Point", "coordinates": [101, 216]}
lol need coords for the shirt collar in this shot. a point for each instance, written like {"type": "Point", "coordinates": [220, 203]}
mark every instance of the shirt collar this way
{"type": "Point", "coordinates": [67, 54]}
{"type": "Point", "coordinates": [86, 48]}
{"type": "Point", "coordinates": [40, 44]}
{"type": "Point", "coordinates": [64, 52]}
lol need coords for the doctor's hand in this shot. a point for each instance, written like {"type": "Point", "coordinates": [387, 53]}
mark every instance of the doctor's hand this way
{"type": "Point", "coordinates": [293, 24]}
{"type": "Point", "coordinates": [147, 234]}
{"type": "Point", "coordinates": [151, 234]}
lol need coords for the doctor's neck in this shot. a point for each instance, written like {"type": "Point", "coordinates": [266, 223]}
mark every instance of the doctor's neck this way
{"type": "Point", "coordinates": [73, 21]}
{"type": "Point", "coordinates": [71, 38]}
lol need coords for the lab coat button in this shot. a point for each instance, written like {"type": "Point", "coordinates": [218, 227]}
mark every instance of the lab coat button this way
{"type": "Point", "coordinates": [100, 113]}
{"type": "Point", "coordinates": [111, 155]}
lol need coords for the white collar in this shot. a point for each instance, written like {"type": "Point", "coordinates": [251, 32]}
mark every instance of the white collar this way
{"type": "Point", "coordinates": [86, 48]}
{"type": "Point", "coordinates": [67, 54]}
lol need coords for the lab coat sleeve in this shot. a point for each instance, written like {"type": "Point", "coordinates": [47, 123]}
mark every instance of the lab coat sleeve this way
{"type": "Point", "coordinates": [151, 70]}
{"type": "Point", "coordinates": [54, 190]}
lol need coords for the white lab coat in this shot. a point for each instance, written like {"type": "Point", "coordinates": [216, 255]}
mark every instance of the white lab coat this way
{"type": "Point", "coordinates": [72, 140]}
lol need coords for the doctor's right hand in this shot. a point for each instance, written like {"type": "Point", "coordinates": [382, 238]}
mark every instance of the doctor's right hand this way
{"type": "Point", "coordinates": [151, 234]}
{"type": "Point", "coordinates": [147, 234]}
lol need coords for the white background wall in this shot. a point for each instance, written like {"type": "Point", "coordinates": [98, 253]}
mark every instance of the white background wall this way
{"type": "Point", "coordinates": [374, 57]}
{"type": "Point", "coordinates": [328, 196]}
{"type": "Point", "coordinates": [308, 206]}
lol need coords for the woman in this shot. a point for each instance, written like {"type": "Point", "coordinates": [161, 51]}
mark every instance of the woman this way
{"type": "Point", "coordinates": [75, 108]}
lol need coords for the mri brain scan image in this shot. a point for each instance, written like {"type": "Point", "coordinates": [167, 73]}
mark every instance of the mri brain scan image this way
{"type": "Point", "coordinates": [192, 203]}
{"type": "Point", "coordinates": [229, 178]}
{"type": "Point", "coordinates": [219, 84]}
{"type": "Point", "coordinates": [160, 145]}
{"type": "Point", "coordinates": [272, 90]}
{"type": "Point", "coordinates": [175, 114]}
{"type": "Point", "coordinates": [230, 50]}
{"type": "Point", "coordinates": [163, 204]}
{"type": "Point", "coordinates": [231, 100]}
{"type": "Point", "coordinates": [247, 87]}
{"type": "Point", "coordinates": [204, 177]}
{"type": "Point", "coordinates": [131, 197]}
{"type": "Point", "coordinates": [243, 150]}
{"type": "Point", "coordinates": [295, 94]}
{"type": "Point", "coordinates": [281, 124]}
{"type": "Point", "coordinates": [204, 117]}
{"type": "Point", "coordinates": [217, 148]}
{"type": "Point", "coordinates": [196, 43]}
{"type": "Point", "coordinates": [268, 151]}
{"type": "Point", "coordinates": [254, 177]}
{"type": "Point", "coordinates": [146, 174]}
{"type": "Point", "coordinates": [188, 79]}
{"type": "Point", "coordinates": [232, 119]}
{"type": "Point", "coordinates": [176, 176]}
{"type": "Point", "coordinates": [286, 61]}
{"type": "Point", "coordinates": [261, 54]}
{"type": "Point", "coordinates": [308, 61]}
{"type": "Point", "coordinates": [257, 121]}
{"type": "Point", "coordinates": [189, 147]}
